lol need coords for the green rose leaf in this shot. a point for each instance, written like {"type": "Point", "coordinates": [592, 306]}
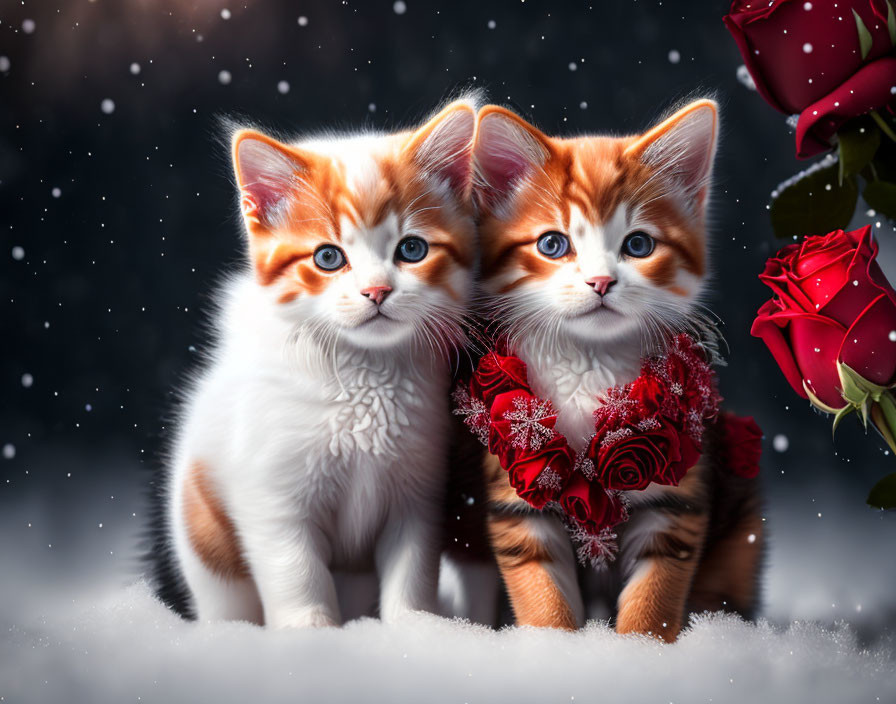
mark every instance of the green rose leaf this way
{"type": "Point", "coordinates": [883, 494]}
{"type": "Point", "coordinates": [881, 196]}
{"type": "Point", "coordinates": [858, 145]}
{"type": "Point", "coordinates": [865, 38]}
{"type": "Point", "coordinates": [816, 204]}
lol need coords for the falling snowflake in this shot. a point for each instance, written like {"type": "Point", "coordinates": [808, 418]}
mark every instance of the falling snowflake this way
{"type": "Point", "coordinates": [474, 413]}
{"type": "Point", "coordinates": [526, 429]}
{"type": "Point", "coordinates": [550, 479]}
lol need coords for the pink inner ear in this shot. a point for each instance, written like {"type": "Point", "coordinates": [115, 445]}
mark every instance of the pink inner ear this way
{"type": "Point", "coordinates": [447, 151]}
{"type": "Point", "coordinates": [505, 153]}
{"type": "Point", "coordinates": [266, 177]}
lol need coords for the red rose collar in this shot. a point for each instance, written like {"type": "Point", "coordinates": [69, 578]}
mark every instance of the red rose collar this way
{"type": "Point", "coordinates": [650, 430]}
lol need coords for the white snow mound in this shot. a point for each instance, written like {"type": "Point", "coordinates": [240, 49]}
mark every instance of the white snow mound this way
{"type": "Point", "coordinates": [131, 649]}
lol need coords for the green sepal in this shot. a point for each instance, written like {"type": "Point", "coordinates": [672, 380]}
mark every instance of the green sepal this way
{"type": "Point", "coordinates": [883, 494]}
{"type": "Point", "coordinates": [857, 389]}
{"type": "Point", "coordinates": [865, 38]}
{"type": "Point", "coordinates": [818, 403]}
{"type": "Point", "coordinates": [883, 124]}
{"type": "Point", "coordinates": [858, 145]}
{"type": "Point", "coordinates": [840, 415]}
{"type": "Point", "coordinates": [854, 394]}
{"type": "Point", "coordinates": [881, 195]}
{"type": "Point", "coordinates": [884, 417]}
{"type": "Point", "coordinates": [809, 207]}
{"type": "Point", "coordinates": [891, 22]}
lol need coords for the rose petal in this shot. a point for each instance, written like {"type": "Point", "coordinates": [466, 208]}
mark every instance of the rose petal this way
{"type": "Point", "coordinates": [867, 347]}
{"type": "Point", "coordinates": [865, 90]}
{"type": "Point", "coordinates": [769, 324]}
{"type": "Point", "coordinates": [815, 342]}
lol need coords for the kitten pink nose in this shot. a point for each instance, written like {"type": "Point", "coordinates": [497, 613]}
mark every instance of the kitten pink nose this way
{"type": "Point", "coordinates": [601, 284]}
{"type": "Point", "coordinates": [377, 294]}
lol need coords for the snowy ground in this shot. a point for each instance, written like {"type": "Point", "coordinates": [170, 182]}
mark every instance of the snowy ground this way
{"type": "Point", "coordinates": [79, 626]}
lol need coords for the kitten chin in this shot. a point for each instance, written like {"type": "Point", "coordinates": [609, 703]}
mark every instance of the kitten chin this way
{"type": "Point", "coordinates": [379, 332]}
{"type": "Point", "coordinates": [603, 326]}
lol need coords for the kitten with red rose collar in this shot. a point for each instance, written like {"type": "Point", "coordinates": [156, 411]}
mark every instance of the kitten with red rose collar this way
{"type": "Point", "coordinates": [594, 254]}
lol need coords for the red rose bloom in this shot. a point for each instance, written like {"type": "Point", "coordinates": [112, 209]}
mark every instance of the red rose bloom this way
{"type": "Point", "coordinates": [506, 415]}
{"type": "Point", "coordinates": [591, 505]}
{"type": "Point", "coordinates": [497, 374]}
{"type": "Point", "coordinates": [538, 476]}
{"type": "Point", "coordinates": [649, 392]}
{"type": "Point", "coordinates": [629, 458]}
{"type": "Point", "coordinates": [742, 444]}
{"type": "Point", "coordinates": [832, 304]}
{"type": "Point", "coordinates": [689, 451]}
{"type": "Point", "coordinates": [812, 62]}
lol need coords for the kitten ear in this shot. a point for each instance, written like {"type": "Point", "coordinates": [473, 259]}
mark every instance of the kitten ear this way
{"type": "Point", "coordinates": [443, 147]}
{"type": "Point", "coordinates": [507, 150]}
{"type": "Point", "coordinates": [683, 146]}
{"type": "Point", "coordinates": [266, 173]}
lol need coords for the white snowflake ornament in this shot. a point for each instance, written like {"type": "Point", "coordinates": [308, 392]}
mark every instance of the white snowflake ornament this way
{"type": "Point", "coordinates": [527, 431]}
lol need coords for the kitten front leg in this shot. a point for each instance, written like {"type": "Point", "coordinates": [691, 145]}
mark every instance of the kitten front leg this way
{"type": "Point", "coordinates": [290, 565]}
{"type": "Point", "coordinates": [407, 561]}
{"type": "Point", "coordinates": [654, 599]}
{"type": "Point", "coordinates": [534, 556]}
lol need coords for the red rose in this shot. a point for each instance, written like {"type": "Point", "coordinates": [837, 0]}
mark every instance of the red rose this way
{"type": "Point", "coordinates": [649, 391]}
{"type": "Point", "coordinates": [514, 420]}
{"type": "Point", "coordinates": [629, 458]}
{"type": "Point", "coordinates": [832, 304]}
{"type": "Point", "coordinates": [742, 439]}
{"type": "Point", "coordinates": [811, 62]}
{"type": "Point", "coordinates": [591, 505]}
{"type": "Point", "coordinates": [689, 452]}
{"type": "Point", "coordinates": [538, 476]}
{"type": "Point", "coordinates": [497, 374]}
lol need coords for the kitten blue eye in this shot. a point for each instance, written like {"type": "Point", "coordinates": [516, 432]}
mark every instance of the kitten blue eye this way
{"type": "Point", "coordinates": [329, 258]}
{"type": "Point", "coordinates": [638, 244]}
{"type": "Point", "coordinates": [411, 249]}
{"type": "Point", "coordinates": [553, 245]}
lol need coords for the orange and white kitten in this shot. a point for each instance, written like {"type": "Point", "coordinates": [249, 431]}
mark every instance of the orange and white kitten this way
{"type": "Point", "coordinates": [316, 439]}
{"type": "Point", "coordinates": [593, 250]}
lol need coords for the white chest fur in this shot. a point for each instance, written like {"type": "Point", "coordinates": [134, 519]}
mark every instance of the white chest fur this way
{"type": "Point", "coordinates": [574, 376]}
{"type": "Point", "coordinates": [373, 407]}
